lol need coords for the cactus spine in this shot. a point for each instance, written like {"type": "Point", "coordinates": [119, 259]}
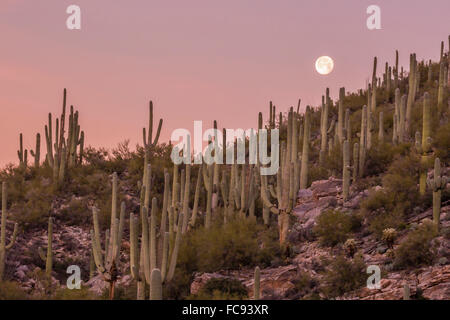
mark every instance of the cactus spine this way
{"type": "Point", "coordinates": [437, 184]}
{"type": "Point", "coordinates": [3, 246]}
{"type": "Point", "coordinates": [256, 286]}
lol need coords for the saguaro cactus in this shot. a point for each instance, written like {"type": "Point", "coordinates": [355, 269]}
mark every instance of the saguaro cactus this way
{"type": "Point", "coordinates": [425, 148]}
{"type": "Point", "coordinates": [305, 150]}
{"type": "Point", "coordinates": [148, 140]}
{"type": "Point", "coordinates": [107, 266]}
{"type": "Point", "coordinates": [256, 285]}
{"type": "Point", "coordinates": [411, 90]}
{"type": "Point", "coordinates": [340, 125]}
{"type": "Point", "coordinates": [373, 102]}
{"type": "Point", "coordinates": [156, 285]}
{"type": "Point", "coordinates": [362, 141]}
{"type": "Point", "coordinates": [395, 70]}
{"type": "Point", "coordinates": [3, 246]}
{"type": "Point", "coordinates": [47, 256]}
{"type": "Point", "coordinates": [437, 184]}
{"type": "Point", "coordinates": [22, 154]}
{"type": "Point", "coordinates": [346, 170]}
{"type": "Point", "coordinates": [63, 152]}
{"type": "Point", "coordinates": [285, 195]}
{"type": "Point", "coordinates": [441, 89]}
{"type": "Point", "coordinates": [381, 128]}
{"type": "Point", "coordinates": [37, 153]}
{"type": "Point", "coordinates": [355, 161]}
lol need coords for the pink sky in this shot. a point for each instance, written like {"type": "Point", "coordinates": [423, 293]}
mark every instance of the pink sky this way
{"type": "Point", "coordinates": [196, 59]}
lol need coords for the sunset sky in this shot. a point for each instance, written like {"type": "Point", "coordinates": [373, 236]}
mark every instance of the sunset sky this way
{"type": "Point", "coordinates": [196, 59]}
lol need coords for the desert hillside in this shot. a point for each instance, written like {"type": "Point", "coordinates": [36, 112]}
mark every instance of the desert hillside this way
{"type": "Point", "coordinates": [362, 181]}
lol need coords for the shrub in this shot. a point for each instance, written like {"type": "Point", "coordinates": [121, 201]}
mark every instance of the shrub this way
{"type": "Point", "coordinates": [388, 236]}
{"type": "Point", "coordinates": [240, 242]}
{"type": "Point", "coordinates": [417, 250]}
{"type": "Point", "coordinates": [221, 289]}
{"type": "Point", "coordinates": [74, 294]}
{"type": "Point", "coordinates": [333, 227]}
{"type": "Point", "coordinates": [11, 291]}
{"type": "Point", "coordinates": [343, 275]}
{"type": "Point", "coordinates": [441, 142]}
{"type": "Point", "coordinates": [306, 287]}
{"type": "Point", "coordinates": [35, 210]}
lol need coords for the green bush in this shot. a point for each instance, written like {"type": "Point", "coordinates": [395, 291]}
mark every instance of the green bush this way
{"type": "Point", "coordinates": [333, 227]}
{"type": "Point", "coordinates": [35, 209]}
{"type": "Point", "coordinates": [387, 208]}
{"type": "Point", "coordinates": [343, 275]}
{"type": "Point", "coordinates": [11, 291]}
{"type": "Point", "coordinates": [441, 142]}
{"type": "Point", "coordinates": [239, 243]}
{"type": "Point", "coordinates": [74, 294]}
{"type": "Point", "coordinates": [221, 289]}
{"type": "Point", "coordinates": [416, 249]}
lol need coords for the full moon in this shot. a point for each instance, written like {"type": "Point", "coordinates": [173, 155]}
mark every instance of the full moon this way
{"type": "Point", "coordinates": [324, 65]}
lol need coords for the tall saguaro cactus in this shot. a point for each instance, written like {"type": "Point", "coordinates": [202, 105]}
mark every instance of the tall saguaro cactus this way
{"type": "Point", "coordinates": [62, 151]}
{"type": "Point", "coordinates": [148, 140]}
{"type": "Point", "coordinates": [22, 154]}
{"type": "Point", "coordinates": [411, 91]}
{"type": "Point", "coordinates": [346, 170]}
{"type": "Point", "coordinates": [362, 141]}
{"type": "Point", "coordinates": [425, 148]}
{"type": "Point", "coordinates": [37, 153]}
{"type": "Point", "coordinates": [107, 264]}
{"type": "Point", "coordinates": [305, 150]}
{"type": "Point", "coordinates": [256, 285]}
{"type": "Point", "coordinates": [441, 88]}
{"type": "Point", "coordinates": [437, 184]}
{"type": "Point", "coordinates": [340, 125]}
{"type": "Point", "coordinates": [3, 246]}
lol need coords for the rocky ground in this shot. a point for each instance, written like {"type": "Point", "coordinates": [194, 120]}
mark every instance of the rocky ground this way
{"type": "Point", "coordinates": [72, 244]}
{"type": "Point", "coordinates": [279, 282]}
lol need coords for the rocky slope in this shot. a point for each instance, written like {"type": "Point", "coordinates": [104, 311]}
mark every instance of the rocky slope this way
{"type": "Point", "coordinates": [71, 245]}
{"type": "Point", "coordinates": [280, 282]}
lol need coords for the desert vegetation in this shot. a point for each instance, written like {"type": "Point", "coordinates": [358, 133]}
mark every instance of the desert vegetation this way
{"type": "Point", "coordinates": [159, 225]}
